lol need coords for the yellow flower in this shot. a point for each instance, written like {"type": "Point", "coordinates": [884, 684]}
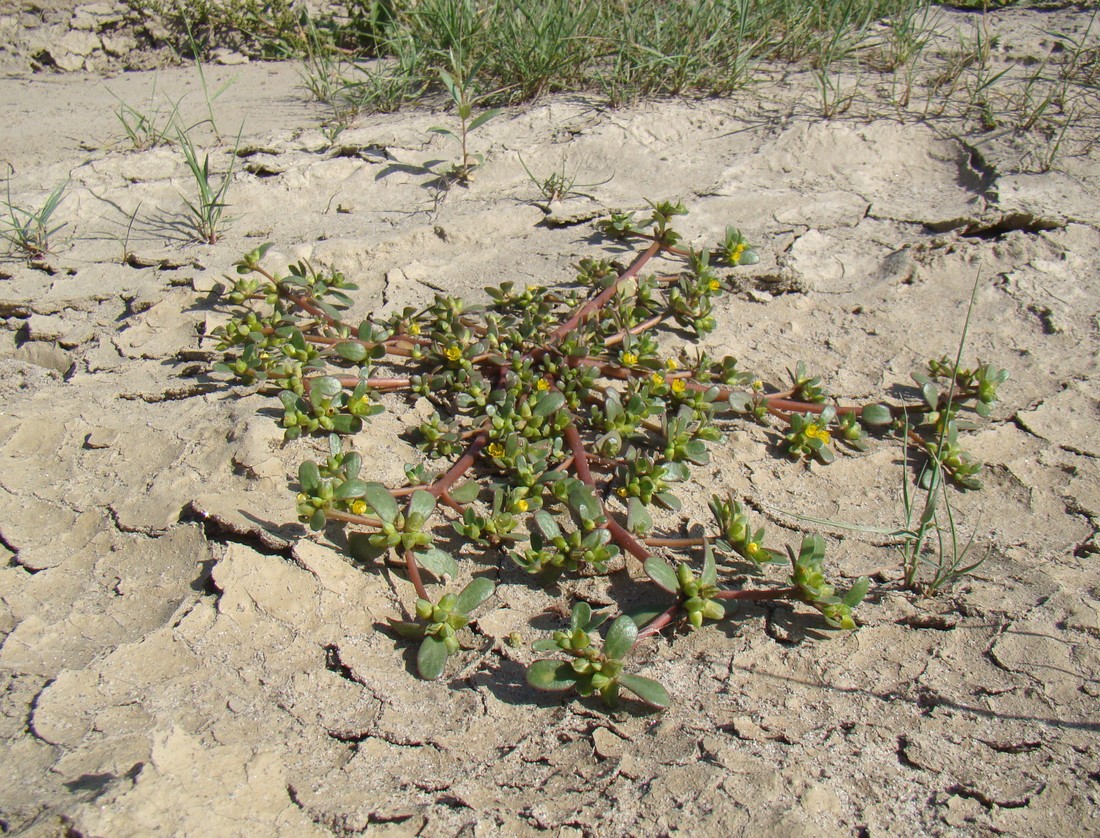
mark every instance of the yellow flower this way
{"type": "Point", "coordinates": [414, 329]}
{"type": "Point", "coordinates": [758, 384]}
{"type": "Point", "coordinates": [715, 285]}
{"type": "Point", "coordinates": [630, 359]}
{"type": "Point", "coordinates": [496, 450]}
{"type": "Point", "coordinates": [521, 505]}
{"type": "Point", "coordinates": [679, 386]}
{"type": "Point", "coordinates": [359, 507]}
{"type": "Point", "coordinates": [452, 353]}
{"type": "Point", "coordinates": [751, 548]}
{"type": "Point", "coordinates": [739, 249]}
{"type": "Point", "coordinates": [542, 384]}
{"type": "Point", "coordinates": [532, 288]}
{"type": "Point", "coordinates": [672, 364]}
{"type": "Point", "coordinates": [621, 491]}
{"type": "Point", "coordinates": [657, 379]}
{"type": "Point", "coordinates": [817, 432]}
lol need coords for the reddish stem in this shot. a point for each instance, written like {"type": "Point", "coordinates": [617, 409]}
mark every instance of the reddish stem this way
{"type": "Point", "coordinates": [663, 619]}
{"type": "Point", "coordinates": [414, 575]}
{"type": "Point", "coordinates": [580, 465]}
{"type": "Point", "coordinates": [619, 337]}
{"type": "Point", "coordinates": [461, 465]}
{"type": "Point", "coordinates": [348, 518]}
{"type": "Point", "coordinates": [673, 542]}
{"type": "Point", "coordinates": [596, 302]}
{"type": "Point", "coordinates": [775, 593]}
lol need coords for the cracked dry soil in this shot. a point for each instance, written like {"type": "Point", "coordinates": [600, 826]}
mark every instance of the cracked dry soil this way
{"type": "Point", "coordinates": [179, 656]}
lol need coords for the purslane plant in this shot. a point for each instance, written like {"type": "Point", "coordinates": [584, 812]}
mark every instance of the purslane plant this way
{"type": "Point", "coordinates": [563, 424]}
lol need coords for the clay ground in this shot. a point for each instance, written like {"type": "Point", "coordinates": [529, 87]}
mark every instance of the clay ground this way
{"type": "Point", "coordinates": [181, 657]}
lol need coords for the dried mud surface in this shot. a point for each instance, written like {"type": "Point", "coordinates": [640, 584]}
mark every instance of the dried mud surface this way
{"type": "Point", "coordinates": [180, 657]}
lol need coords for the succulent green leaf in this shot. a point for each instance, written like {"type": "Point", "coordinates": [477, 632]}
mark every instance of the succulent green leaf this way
{"type": "Point", "coordinates": [410, 631]}
{"type": "Point", "coordinates": [813, 547]}
{"type": "Point", "coordinates": [857, 592]}
{"type": "Point", "coordinates": [466, 493]}
{"type": "Point", "coordinates": [352, 351]}
{"type": "Point", "coordinates": [876, 414]}
{"type": "Point", "coordinates": [317, 520]}
{"type": "Point", "coordinates": [550, 402]}
{"type": "Point", "coordinates": [422, 502]}
{"type": "Point", "coordinates": [661, 573]}
{"type": "Point", "coordinates": [344, 424]}
{"type": "Point", "coordinates": [381, 501]}
{"type": "Point", "coordinates": [597, 619]}
{"type": "Point", "coordinates": [479, 590]}
{"type": "Point", "coordinates": [546, 645]}
{"type": "Point", "coordinates": [643, 615]}
{"type": "Point", "coordinates": [620, 638]}
{"type": "Point", "coordinates": [668, 501]}
{"type": "Point", "coordinates": [437, 562]}
{"type": "Point", "coordinates": [581, 614]}
{"type": "Point", "coordinates": [648, 690]}
{"type": "Point", "coordinates": [551, 675]}
{"type": "Point", "coordinates": [350, 489]}
{"type": "Point", "coordinates": [362, 550]}
{"type": "Point", "coordinates": [931, 394]}
{"type": "Point", "coordinates": [638, 519]}
{"type": "Point", "coordinates": [740, 402]}
{"type": "Point", "coordinates": [582, 500]}
{"type": "Point", "coordinates": [709, 575]}
{"type": "Point", "coordinates": [432, 658]}
{"type": "Point", "coordinates": [309, 476]}
{"type": "Point", "coordinates": [546, 524]}
{"type": "Point", "coordinates": [326, 385]}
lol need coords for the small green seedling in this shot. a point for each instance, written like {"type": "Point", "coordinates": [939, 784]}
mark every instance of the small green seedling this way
{"type": "Point", "coordinates": [589, 669]}
{"type": "Point", "coordinates": [560, 185]}
{"type": "Point", "coordinates": [460, 87]}
{"type": "Point", "coordinates": [30, 231]}
{"type": "Point", "coordinates": [207, 210]}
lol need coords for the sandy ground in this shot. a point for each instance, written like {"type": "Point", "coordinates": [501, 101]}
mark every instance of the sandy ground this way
{"type": "Point", "coordinates": [180, 657]}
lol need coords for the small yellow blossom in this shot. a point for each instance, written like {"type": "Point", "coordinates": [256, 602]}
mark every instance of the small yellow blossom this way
{"type": "Point", "coordinates": [414, 329]}
{"type": "Point", "coordinates": [758, 384]}
{"type": "Point", "coordinates": [816, 432]}
{"type": "Point", "coordinates": [679, 386]}
{"type": "Point", "coordinates": [452, 353]}
{"type": "Point", "coordinates": [359, 507]}
{"type": "Point", "coordinates": [739, 249]}
{"type": "Point", "coordinates": [752, 548]}
{"type": "Point", "coordinates": [621, 492]}
{"type": "Point", "coordinates": [672, 364]}
{"type": "Point", "coordinates": [521, 505]}
{"type": "Point", "coordinates": [715, 285]}
{"type": "Point", "coordinates": [532, 288]}
{"type": "Point", "coordinates": [496, 450]}
{"type": "Point", "coordinates": [542, 384]}
{"type": "Point", "coordinates": [657, 379]}
{"type": "Point", "coordinates": [630, 359]}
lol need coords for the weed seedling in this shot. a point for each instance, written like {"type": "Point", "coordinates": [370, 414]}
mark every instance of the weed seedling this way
{"type": "Point", "coordinates": [30, 231]}
{"type": "Point", "coordinates": [558, 438]}
{"type": "Point", "coordinates": [459, 85]}
{"type": "Point", "coordinates": [560, 185]}
{"type": "Point", "coordinates": [206, 211]}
